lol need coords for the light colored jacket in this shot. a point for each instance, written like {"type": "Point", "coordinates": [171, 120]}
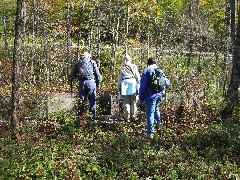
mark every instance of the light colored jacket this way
{"type": "Point", "coordinates": [127, 71]}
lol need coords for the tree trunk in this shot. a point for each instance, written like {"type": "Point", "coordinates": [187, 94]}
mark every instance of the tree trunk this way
{"type": "Point", "coordinates": [14, 122]}
{"type": "Point", "coordinates": [98, 34]}
{"type": "Point", "coordinates": [69, 42]}
{"type": "Point", "coordinates": [190, 42]}
{"type": "Point", "coordinates": [80, 34]}
{"type": "Point", "coordinates": [148, 35]}
{"type": "Point", "coordinates": [115, 27]}
{"type": "Point", "coordinates": [4, 25]}
{"type": "Point", "coordinates": [126, 30]}
{"type": "Point", "coordinates": [91, 23]}
{"type": "Point", "coordinates": [232, 94]}
{"type": "Point", "coordinates": [226, 47]}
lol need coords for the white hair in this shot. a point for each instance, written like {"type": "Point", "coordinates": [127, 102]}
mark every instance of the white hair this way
{"type": "Point", "coordinates": [128, 59]}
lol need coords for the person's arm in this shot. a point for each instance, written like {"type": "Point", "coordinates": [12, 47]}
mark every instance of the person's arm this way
{"type": "Point", "coordinates": [136, 74]}
{"type": "Point", "coordinates": [73, 73]}
{"type": "Point", "coordinates": [143, 87]}
{"type": "Point", "coordinates": [97, 75]}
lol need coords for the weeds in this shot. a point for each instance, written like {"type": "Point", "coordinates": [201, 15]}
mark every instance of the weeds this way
{"type": "Point", "coordinates": [119, 151]}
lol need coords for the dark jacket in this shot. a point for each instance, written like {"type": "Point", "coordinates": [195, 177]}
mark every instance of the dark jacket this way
{"type": "Point", "coordinates": [96, 74]}
{"type": "Point", "coordinates": [145, 92]}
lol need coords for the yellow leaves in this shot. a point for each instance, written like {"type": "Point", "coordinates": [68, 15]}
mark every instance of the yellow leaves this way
{"type": "Point", "coordinates": [211, 3]}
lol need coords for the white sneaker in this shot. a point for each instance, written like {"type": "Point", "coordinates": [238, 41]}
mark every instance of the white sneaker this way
{"type": "Point", "coordinates": [150, 136]}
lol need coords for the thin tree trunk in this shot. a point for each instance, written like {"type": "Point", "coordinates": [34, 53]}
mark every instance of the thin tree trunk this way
{"type": "Point", "coordinates": [14, 122]}
{"type": "Point", "coordinates": [199, 66]}
{"type": "Point", "coordinates": [232, 94]}
{"type": "Point", "coordinates": [115, 26]}
{"type": "Point", "coordinates": [98, 40]}
{"type": "Point", "coordinates": [46, 59]}
{"type": "Point", "coordinates": [190, 42]}
{"type": "Point", "coordinates": [226, 47]}
{"type": "Point", "coordinates": [33, 20]}
{"type": "Point", "coordinates": [90, 30]}
{"type": "Point", "coordinates": [69, 41]}
{"type": "Point", "coordinates": [80, 28]}
{"type": "Point", "coordinates": [4, 25]}
{"type": "Point", "coordinates": [126, 30]}
{"type": "Point", "coordinates": [149, 35]}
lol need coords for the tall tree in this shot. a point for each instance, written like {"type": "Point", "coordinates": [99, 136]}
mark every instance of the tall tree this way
{"type": "Point", "coordinates": [126, 29]}
{"type": "Point", "coordinates": [4, 23]}
{"type": "Point", "coordinates": [80, 23]}
{"type": "Point", "coordinates": [69, 41]}
{"type": "Point", "coordinates": [232, 94]}
{"type": "Point", "coordinates": [98, 35]}
{"type": "Point", "coordinates": [14, 122]}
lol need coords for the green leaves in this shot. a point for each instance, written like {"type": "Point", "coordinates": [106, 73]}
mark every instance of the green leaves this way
{"type": "Point", "coordinates": [100, 152]}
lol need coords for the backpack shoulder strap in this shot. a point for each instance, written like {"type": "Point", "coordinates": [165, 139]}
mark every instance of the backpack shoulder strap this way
{"type": "Point", "coordinates": [129, 68]}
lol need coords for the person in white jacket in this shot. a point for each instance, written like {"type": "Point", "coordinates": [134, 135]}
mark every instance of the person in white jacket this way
{"type": "Point", "coordinates": [128, 85]}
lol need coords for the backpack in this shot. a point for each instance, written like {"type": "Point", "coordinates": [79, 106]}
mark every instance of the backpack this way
{"type": "Point", "coordinates": [85, 70]}
{"type": "Point", "coordinates": [157, 80]}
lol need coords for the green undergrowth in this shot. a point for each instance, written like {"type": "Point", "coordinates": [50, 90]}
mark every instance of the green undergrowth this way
{"type": "Point", "coordinates": [55, 149]}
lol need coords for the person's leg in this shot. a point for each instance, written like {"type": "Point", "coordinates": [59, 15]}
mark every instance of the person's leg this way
{"type": "Point", "coordinates": [92, 99]}
{"type": "Point", "coordinates": [150, 109]}
{"type": "Point", "coordinates": [157, 114]}
{"type": "Point", "coordinates": [133, 107]}
{"type": "Point", "coordinates": [81, 103]}
{"type": "Point", "coordinates": [126, 107]}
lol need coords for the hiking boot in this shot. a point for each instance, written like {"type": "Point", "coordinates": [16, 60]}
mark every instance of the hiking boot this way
{"type": "Point", "coordinates": [149, 136]}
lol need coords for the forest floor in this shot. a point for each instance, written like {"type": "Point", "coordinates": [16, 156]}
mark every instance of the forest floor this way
{"type": "Point", "coordinates": [115, 149]}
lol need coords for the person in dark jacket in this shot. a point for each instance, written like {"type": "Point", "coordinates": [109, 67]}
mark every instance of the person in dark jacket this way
{"type": "Point", "coordinates": [89, 78]}
{"type": "Point", "coordinates": [152, 100]}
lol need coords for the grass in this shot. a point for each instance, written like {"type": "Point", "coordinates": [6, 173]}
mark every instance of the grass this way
{"type": "Point", "coordinates": [55, 149]}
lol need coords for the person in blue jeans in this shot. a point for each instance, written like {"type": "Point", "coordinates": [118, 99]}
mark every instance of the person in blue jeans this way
{"type": "Point", "coordinates": [89, 78]}
{"type": "Point", "coordinates": [152, 100]}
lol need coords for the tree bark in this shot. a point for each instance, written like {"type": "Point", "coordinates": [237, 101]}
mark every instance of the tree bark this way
{"type": "Point", "coordinates": [90, 29]}
{"type": "Point", "coordinates": [126, 30]}
{"type": "Point", "coordinates": [80, 34]}
{"type": "Point", "coordinates": [98, 35]}
{"type": "Point", "coordinates": [232, 93]}
{"type": "Point", "coordinates": [14, 121]}
{"type": "Point", "coordinates": [4, 25]}
{"type": "Point", "coordinates": [69, 41]}
{"type": "Point", "coordinates": [190, 42]}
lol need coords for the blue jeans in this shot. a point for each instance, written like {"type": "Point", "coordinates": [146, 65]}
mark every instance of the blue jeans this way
{"type": "Point", "coordinates": [153, 113]}
{"type": "Point", "coordinates": [87, 91]}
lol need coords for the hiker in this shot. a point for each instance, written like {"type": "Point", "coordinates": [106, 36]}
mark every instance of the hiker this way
{"type": "Point", "coordinates": [151, 99]}
{"type": "Point", "coordinates": [89, 77]}
{"type": "Point", "coordinates": [128, 86]}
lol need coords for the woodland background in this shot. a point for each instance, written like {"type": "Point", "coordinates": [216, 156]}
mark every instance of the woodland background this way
{"type": "Point", "coordinates": [196, 43]}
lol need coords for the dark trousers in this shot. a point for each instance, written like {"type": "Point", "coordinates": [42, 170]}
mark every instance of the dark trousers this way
{"type": "Point", "coordinates": [87, 95]}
